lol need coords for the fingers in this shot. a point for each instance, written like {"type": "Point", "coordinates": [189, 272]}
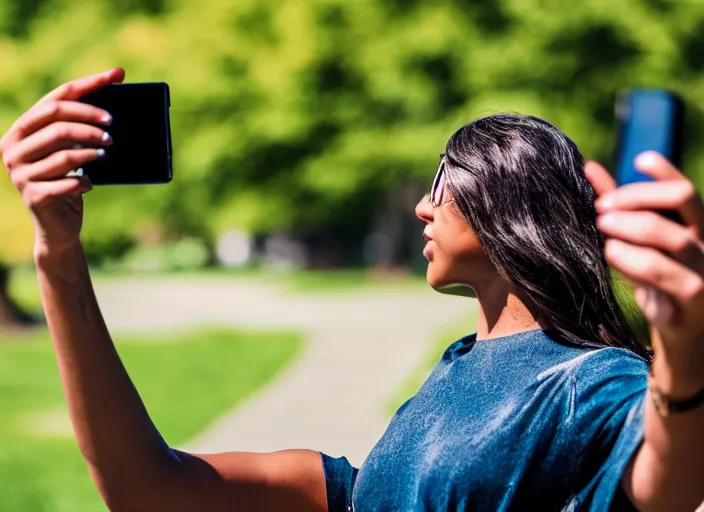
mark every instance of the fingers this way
{"type": "Point", "coordinates": [671, 191]}
{"type": "Point", "coordinates": [599, 177]}
{"type": "Point", "coordinates": [55, 166]}
{"type": "Point", "coordinates": [51, 107]}
{"type": "Point", "coordinates": [648, 266]}
{"type": "Point", "coordinates": [53, 138]}
{"type": "Point", "coordinates": [664, 259]}
{"type": "Point", "coordinates": [657, 166]}
{"type": "Point", "coordinates": [649, 229]}
{"type": "Point", "coordinates": [78, 88]}
{"type": "Point", "coordinates": [50, 112]}
{"type": "Point", "coordinates": [679, 195]}
{"type": "Point", "coordinates": [56, 106]}
{"type": "Point", "coordinates": [40, 193]}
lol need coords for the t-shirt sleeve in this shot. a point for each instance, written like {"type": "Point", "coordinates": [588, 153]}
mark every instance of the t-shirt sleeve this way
{"type": "Point", "coordinates": [610, 392]}
{"type": "Point", "coordinates": [339, 482]}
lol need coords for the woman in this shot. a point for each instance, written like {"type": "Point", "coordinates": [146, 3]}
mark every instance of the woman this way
{"type": "Point", "coordinates": [546, 407]}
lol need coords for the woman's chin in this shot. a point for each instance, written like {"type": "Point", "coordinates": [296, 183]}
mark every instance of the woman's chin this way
{"type": "Point", "coordinates": [430, 276]}
{"type": "Point", "coordinates": [448, 287]}
{"type": "Point", "coordinates": [460, 289]}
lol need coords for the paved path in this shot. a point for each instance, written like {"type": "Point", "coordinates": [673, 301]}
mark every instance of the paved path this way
{"type": "Point", "coordinates": [361, 347]}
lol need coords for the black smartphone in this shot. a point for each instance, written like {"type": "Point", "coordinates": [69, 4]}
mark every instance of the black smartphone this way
{"type": "Point", "coordinates": [141, 133]}
{"type": "Point", "coordinates": [648, 120]}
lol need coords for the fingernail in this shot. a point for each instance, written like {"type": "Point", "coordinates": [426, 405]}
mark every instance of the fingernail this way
{"type": "Point", "coordinates": [105, 137]}
{"type": "Point", "coordinates": [614, 247]}
{"type": "Point", "coordinates": [106, 119]}
{"type": "Point", "coordinates": [605, 221]}
{"type": "Point", "coordinates": [100, 153]}
{"type": "Point", "coordinates": [604, 203]}
{"type": "Point", "coordinates": [646, 159]}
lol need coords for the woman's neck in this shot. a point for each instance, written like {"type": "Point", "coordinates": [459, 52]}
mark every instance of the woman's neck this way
{"type": "Point", "coordinates": [503, 311]}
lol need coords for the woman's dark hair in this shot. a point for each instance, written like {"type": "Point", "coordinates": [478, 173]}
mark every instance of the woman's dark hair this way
{"type": "Point", "coordinates": [520, 183]}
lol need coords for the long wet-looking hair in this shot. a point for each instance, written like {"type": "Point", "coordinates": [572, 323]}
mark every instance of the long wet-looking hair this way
{"type": "Point", "coordinates": [520, 183]}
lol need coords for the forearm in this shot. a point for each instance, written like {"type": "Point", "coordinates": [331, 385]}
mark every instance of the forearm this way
{"type": "Point", "coordinates": [667, 472]}
{"type": "Point", "coordinates": [132, 466]}
{"type": "Point", "coordinates": [114, 431]}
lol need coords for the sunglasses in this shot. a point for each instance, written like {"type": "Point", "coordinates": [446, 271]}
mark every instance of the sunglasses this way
{"type": "Point", "coordinates": [437, 192]}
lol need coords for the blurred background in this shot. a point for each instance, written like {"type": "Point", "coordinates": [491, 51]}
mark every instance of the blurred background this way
{"type": "Point", "coordinates": [304, 133]}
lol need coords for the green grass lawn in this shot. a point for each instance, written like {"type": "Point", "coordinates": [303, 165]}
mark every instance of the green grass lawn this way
{"type": "Point", "coordinates": [186, 381]}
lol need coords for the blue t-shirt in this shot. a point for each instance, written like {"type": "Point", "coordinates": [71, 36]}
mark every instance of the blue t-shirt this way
{"type": "Point", "coordinates": [524, 422]}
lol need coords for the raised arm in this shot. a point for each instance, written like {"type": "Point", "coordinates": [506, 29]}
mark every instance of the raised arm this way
{"type": "Point", "coordinates": [132, 466]}
{"type": "Point", "coordinates": [666, 261]}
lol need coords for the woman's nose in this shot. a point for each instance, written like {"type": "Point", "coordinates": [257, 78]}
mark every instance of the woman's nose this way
{"type": "Point", "coordinates": [424, 210]}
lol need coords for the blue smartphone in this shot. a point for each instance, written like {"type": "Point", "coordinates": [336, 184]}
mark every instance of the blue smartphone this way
{"type": "Point", "coordinates": [141, 133]}
{"type": "Point", "coordinates": [648, 120]}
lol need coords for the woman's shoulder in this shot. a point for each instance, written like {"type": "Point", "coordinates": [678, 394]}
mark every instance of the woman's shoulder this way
{"type": "Point", "coordinates": [587, 358]}
{"type": "Point", "coordinates": [589, 372]}
{"type": "Point", "coordinates": [539, 356]}
{"type": "Point", "coordinates": [601, 364]}
{"type": "Point", "coordinates": [607, 383]}
{"type": "Point", "coordinates": [610, 362]}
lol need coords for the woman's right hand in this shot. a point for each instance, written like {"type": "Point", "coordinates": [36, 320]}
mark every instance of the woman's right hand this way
{"type": "Point", "coordinates": [43, 145]}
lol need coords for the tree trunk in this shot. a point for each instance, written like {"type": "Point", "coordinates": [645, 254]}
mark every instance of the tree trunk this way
{"type": "Point", "coordinates": [11, 316]}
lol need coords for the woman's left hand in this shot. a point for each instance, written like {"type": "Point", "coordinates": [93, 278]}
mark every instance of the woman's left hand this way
{"type": "Point", "coordinates": [665, 260]}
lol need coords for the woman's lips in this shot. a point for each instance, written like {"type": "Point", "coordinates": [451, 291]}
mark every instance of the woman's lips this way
{"type": "Point", "coordinates": [427, 250]}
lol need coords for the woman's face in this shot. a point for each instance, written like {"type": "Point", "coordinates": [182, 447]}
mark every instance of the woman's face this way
{"type": "Point", "coordinates": [452, 248]}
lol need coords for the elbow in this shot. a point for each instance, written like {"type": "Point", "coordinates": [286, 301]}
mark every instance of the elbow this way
{"type": "Point", "coordinates": [139, 489]}
{"type": "Point", "coordinates": [129, 497]}
{"type": "Point", "coordinates": [125, 504]}
{"type": "Point", "coordinates": [138, 498]}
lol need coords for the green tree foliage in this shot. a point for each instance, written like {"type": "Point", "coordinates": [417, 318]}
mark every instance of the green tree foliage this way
{"type": "Point", "coordinates": [305, 114]}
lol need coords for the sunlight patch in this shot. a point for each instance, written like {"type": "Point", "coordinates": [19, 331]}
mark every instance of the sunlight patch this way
{"type": "Point", "coordinates": [48, 423]}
